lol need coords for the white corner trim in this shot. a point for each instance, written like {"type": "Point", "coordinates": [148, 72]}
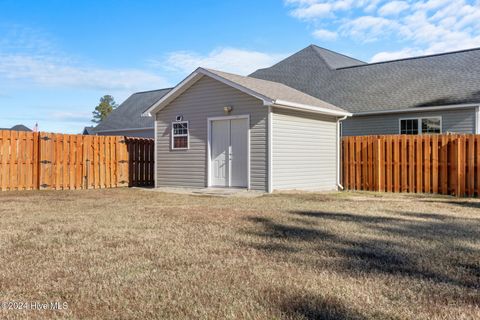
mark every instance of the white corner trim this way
{"type": "Point", "coordinates": [418, 109]}
{"type": "Point", "coordinates": [339, 153]}
{"type": "Point", "coordinates": [155, 164]}
{"type": "Point", "coordinates": [308, 108]}
{"type": "Point", "coordinates": [270, 150]}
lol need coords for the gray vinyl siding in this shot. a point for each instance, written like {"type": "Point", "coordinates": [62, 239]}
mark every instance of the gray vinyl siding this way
{"type": "Point", "coordinates": [304, 151]}
{"type": "Point", "coordinates": [207, 98]}
{"type": "Point", "coordinates": [458, 121]}
{"type": "Point", "coordinates": [130, 133]}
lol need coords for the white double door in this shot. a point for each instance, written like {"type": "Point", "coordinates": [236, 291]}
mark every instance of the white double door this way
{"type": "Point", "coordinates": [229, 153]}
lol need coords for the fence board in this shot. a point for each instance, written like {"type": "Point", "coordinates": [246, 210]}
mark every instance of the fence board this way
{"type": "Point", "coordinates": [32, 160]}
{"type": "Point", "coordinates": [446, 164]}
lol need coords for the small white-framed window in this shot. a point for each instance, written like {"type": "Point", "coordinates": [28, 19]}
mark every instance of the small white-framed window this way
{"type": "Point", "coordinates": [424, 125]}
{"type": "Point", "coordinates": [180, 135]}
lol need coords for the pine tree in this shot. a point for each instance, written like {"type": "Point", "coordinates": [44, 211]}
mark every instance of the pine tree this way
{"type": "Point", "coordinates": [105, 107]}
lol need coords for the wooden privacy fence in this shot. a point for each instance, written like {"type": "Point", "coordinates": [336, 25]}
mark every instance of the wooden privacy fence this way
{"type": "Point", "coordinates": [445, 164]}
{"type": "Point", "coordinates": [31, 160]}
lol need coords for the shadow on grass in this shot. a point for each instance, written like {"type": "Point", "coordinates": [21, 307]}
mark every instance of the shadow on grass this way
{"type": "Point", "coordinates": [308, 306]}
{"type": "Point", "coordinates": [388, 253]}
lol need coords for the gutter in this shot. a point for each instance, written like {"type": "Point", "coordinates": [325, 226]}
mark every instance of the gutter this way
{"type": "Point", "coordinates": [339, 142]}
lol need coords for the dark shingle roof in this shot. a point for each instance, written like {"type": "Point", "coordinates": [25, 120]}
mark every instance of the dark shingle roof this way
{"type": "Point", "coordinates": [442, 79]}
{"type": "Point", "coordinates": [88, 130]}
{"type": "Point", "coordinates": [18, 127]}
{"type": "Point", "coordinates": [129, 113]}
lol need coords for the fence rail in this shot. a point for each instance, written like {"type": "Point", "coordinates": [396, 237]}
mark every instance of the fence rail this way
{"type": "Point", "coordinates": [445, 164]}
{"type": "Point", "coordinates": [31, 160]}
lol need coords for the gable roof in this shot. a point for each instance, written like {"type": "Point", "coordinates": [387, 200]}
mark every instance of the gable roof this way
{"type": "Point", "coordinates": [129, 114]}
{"type": "Point", "coordinates": [271, 93]}
{"type": "Point", "coordinates": [435, 80]}
{"type": "Point", "coordinates": [18, 127]}
{"type": "Point", "coordinates": [88, 130]}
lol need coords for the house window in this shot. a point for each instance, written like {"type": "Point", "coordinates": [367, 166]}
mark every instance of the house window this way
{"type": "Point", "coordinates": [180, 135]}
{"type": "Point", "coordinates": [430, 125]}
{"type": "Point", "coordinates": [409, 126]}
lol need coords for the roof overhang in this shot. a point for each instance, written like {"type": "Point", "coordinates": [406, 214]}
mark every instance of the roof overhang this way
{"type": "Point", "coordinates": [267, 101]}
{"type": "Point", "coordinates": [419, 109]}
{"type": "Point", "coordinates": [306, 108]}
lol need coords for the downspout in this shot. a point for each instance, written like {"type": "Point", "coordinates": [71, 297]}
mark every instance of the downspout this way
{"type": "Point", "coordinates": [339, 142]}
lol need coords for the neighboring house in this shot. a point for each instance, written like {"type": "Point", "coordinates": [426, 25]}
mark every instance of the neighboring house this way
{"type": "Point", "coordinates": [217, 129]}
{"type": "Point", "coordinates": [89, 131]}
{"type": "Point", "coordinates": [18, 127]}
{"type": "Point", "coordinates": [127, 120]}
{"type": "Point", "coordinates": [430, 94]}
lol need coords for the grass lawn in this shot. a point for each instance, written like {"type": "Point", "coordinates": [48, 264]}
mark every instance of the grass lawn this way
{"type": "Point", "coordinates": [130, 253]}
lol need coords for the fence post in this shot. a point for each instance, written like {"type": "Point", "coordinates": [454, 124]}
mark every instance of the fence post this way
{"type": "Point", "coordinates": [460, 166]}
{"type": "Point", "coordinates": [45, 160]}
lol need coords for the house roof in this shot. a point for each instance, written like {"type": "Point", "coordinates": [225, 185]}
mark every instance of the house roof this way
{"type": "Point", "coordinates": [129, 114]}
{"type": "Point", "coordinates": [88, 130]}
{"type": "Point", "coordinates": [271, 93]}
{"type": "Point", "coordinates": [18, 127]}
{"type": "Point", "coordinates": [435, 80]}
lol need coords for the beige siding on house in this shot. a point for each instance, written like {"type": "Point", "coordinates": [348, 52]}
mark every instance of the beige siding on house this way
{"type": "Point", "coordinates": [304, 151]}
{"type": "Point", "coordinates": [207, 98]}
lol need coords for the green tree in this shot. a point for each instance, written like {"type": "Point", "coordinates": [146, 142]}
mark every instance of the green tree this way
{"type": "Point", "coordinates": [105, 107]}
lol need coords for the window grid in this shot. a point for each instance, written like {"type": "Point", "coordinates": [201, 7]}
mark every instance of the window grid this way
{"type": "Point", "coordinates": [427, 125]}
{"type": "Point", "coordinates": [180, 136]}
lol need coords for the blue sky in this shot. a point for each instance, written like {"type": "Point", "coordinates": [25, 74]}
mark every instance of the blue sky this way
{"type": "Point", "coordinates": [57, 58]}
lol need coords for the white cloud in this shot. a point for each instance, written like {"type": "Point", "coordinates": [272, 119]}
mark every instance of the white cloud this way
{"type": "Point", "coordinates": [324, 34]}
{"type": "Point", "coordinates": [233, 60]}
{"type": "Point", "coordinates": [368, 28]}
{"type": "Point", "coordinates": [30, 56]}
{"type": "Point", "coordinates": [393, 55]}
{"type": "Point", "coordinates": [316, 10]}
{"type": "Point", "coordinates": [417, 27]}
{"type": "Point", "coordinates": [57, 72]}
{"type": "Point", "coordinates": [393, 8]}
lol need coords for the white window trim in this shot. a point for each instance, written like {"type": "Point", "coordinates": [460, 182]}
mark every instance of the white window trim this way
{"type": "Point", "coordinates": [419, 120]}
{"type": "Point", "coordinates": [172, 147]}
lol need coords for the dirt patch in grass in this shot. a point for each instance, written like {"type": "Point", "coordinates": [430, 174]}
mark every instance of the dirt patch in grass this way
{"type": "Point", "coordinates": [134, 254]}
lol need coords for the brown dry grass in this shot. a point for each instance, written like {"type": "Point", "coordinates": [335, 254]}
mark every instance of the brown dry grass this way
{"type": "Point", "coordinates": [138, 254]}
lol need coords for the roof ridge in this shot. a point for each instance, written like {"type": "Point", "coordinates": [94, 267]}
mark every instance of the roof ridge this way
{"type": "Point", "coordinates": [411, 58]}
{"type": "Point", "coordinates": [152, 90]}
{"type": "Point", "coordinates": [335, 52]}
{"type": "Point", "coordinates": [314, 47]}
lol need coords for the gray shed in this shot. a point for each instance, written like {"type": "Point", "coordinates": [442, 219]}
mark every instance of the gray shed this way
{"type": "Point", "coordinates": [218, 129]}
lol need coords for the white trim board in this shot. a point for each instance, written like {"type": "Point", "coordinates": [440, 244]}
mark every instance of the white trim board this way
{"type": "Point", "coordinates": [209, 147]}
{"type": "Point", "coordinates": [270, 150]}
